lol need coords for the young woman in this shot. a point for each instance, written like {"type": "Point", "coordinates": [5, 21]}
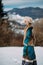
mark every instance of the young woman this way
{"type": "Point", "coordinates": [29, 57]}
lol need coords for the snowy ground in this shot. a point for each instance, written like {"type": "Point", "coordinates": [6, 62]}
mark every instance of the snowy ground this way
{"type": "Point", "coordinates": [13, 55]}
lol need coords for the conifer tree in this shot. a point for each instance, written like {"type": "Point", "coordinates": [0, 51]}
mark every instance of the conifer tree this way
{"type": "Point", "coordinates": [1, 9]}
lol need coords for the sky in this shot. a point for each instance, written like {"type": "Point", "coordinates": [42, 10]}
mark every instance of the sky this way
{"type": "Point", "coordinates": [10, 4]}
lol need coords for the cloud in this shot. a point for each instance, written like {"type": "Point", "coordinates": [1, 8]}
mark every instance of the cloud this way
{"type": "Point", "coordinates": [7, 9]}
{"type": "Point", "coordinates": [8, 4]}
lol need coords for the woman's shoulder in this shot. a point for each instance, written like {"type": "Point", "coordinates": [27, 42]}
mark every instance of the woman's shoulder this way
{"type": "Point", "coordinates": [30, 28]}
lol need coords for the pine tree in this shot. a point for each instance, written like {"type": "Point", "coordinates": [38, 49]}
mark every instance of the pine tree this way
{"type": "Point", "coordinates": [1, 9]}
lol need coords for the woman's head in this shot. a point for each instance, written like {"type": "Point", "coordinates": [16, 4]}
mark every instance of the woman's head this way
{"type": "Point", "coordinates": [28, 20]}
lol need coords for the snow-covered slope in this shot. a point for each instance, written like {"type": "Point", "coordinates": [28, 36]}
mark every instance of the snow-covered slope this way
{"type": "Point", "coordinates": [16, 17]}
{"type": "Point", "coordinates": [13, 55]}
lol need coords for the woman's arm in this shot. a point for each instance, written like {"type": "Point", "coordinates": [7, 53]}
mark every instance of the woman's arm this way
{"type": "Point", "coordinates": [28, 34]}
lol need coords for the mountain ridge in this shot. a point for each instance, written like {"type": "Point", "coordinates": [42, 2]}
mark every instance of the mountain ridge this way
{"type": "Point", "coordinates": [34, 12]}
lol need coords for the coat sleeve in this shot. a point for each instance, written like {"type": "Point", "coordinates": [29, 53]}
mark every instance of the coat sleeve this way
{"type": "Point", "coordinates": [28, 36]}
{"type": "Point", "coordinates": [28, 33]}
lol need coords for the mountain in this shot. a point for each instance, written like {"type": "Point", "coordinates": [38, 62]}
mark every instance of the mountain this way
{"type": "Point", "coordinates": [28, 11]}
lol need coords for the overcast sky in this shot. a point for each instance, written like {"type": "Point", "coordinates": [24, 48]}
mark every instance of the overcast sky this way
{"type": "Point", "coordinates": [9, 4]}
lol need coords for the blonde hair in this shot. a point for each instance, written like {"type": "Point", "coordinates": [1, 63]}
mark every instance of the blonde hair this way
{"type": "Point", "coordinates": [28, 19]}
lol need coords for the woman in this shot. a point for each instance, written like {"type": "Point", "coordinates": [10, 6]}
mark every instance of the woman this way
{"type": "Point", "coordinates": [29, 57]}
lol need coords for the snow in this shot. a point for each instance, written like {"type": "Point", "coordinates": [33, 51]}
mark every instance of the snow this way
{"type": "Point", "coordinates": [16, 17]}
{"type": "Point", "coordinates": [13, 55]}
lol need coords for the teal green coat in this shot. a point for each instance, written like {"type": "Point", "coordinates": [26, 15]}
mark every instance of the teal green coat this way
{"type": "Point", "coordinates": [28, 50]}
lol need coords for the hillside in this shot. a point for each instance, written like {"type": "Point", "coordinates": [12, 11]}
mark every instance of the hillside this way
{"type": "Point", "coordinates": [9, 37]}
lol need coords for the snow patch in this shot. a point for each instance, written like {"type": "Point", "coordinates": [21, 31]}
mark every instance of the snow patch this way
{"type": "Point", "coordinates": [13, 55]}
